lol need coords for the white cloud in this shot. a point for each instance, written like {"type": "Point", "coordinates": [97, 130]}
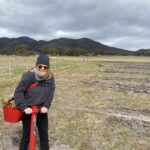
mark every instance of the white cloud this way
{"type": "Point", "coordinates": [119, 23]}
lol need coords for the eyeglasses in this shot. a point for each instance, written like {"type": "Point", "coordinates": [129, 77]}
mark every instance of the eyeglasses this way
{"type": "Point", "coordinates": [42, 66]}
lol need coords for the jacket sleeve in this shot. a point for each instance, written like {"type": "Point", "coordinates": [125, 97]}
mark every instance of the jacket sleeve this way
{"type": "Point", "coordinates": [48, 102]}
{"type": "Point", "coordinates": [20, 90]}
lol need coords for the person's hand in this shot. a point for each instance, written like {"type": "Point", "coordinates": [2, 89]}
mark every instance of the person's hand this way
{"type": "Point", "coordinates": [28, 111]}
{"type": "Point", "coordinates": [44, 110]}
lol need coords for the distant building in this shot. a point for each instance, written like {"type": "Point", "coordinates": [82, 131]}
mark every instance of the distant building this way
{"type": "Point", "coordinates": [33, 53]}
{"type": "Point", "coordinates": [90, 54]}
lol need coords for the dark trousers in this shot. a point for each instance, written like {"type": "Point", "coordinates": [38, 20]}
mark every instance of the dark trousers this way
{"type": "Point", "coordinates": [42, 124]}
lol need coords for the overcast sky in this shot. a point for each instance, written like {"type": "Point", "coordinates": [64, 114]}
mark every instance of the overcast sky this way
{"type": "Point", "coordinates": [119, 23]}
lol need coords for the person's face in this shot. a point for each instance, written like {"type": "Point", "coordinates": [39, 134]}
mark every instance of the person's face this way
{"type": "Point", "coordinates": [43, 69]}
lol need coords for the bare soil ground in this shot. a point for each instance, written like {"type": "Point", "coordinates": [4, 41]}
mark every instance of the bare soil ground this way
{"type": "Point", "coordinates": [101, 103]}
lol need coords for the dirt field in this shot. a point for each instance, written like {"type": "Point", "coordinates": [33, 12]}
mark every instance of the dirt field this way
{"type": "Point", "coordinates": [100, 103]}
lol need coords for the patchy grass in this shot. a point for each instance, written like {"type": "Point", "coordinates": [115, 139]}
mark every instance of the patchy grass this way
{"type": "Point", "coordinates": [96, 83]}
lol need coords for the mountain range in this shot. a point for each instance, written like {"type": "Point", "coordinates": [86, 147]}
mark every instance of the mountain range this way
{"type": "Point", "coordinates": [66, 46]}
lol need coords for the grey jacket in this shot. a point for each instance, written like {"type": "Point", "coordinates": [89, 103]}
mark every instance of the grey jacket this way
{"type": "Point", "coordinates": [41, 95]}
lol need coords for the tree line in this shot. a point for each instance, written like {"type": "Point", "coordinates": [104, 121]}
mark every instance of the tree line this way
{"type": "Point", "coordinates": [25, 50]}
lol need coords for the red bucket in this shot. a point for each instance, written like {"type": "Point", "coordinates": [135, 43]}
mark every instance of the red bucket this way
{"type": "Point", "coordinates": [12, 114]}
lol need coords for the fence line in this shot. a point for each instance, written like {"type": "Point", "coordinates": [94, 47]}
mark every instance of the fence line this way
{"type": "Point", "coordinates": [9, 69]}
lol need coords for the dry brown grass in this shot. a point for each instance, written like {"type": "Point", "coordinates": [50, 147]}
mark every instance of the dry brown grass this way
{"type": "Point", "coordinates": [100, 83]}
